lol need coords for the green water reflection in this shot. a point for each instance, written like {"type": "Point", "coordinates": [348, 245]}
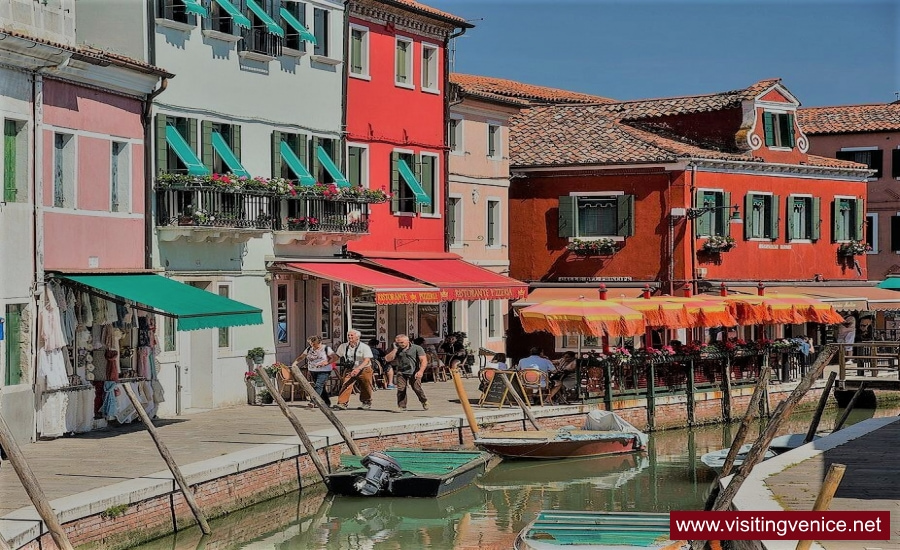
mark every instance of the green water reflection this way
{"type": "Point", "coordinates": [489, 514]}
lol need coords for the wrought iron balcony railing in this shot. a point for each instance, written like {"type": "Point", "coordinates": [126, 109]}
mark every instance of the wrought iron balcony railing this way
{"type": "Point", "coordinates": [261, 41]}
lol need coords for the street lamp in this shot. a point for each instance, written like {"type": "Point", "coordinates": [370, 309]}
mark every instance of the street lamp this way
{"type": "Point", "coordinates": [694, 213]}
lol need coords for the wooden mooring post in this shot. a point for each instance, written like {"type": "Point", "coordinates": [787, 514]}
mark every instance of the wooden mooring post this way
{"type": "Point", "coordinates": [32, 487]}
{"type": "Point", "coordinates": [651, 397]}
{"type": "Point", "coordinates": [726, 390]}
{"type": "Point", "coordinates": [329, 414]}
{"type": "Point", "coordinates": [826, 494]}
{"type": "Point", "coordinates": [691, 396]}
{"type": "Point", "coordinates": [464, 400]}
{"type": "Point", "coordinates": [607, 386]}
{"type": "Point", "coordinates": [820, 408]}
{"type": "Point", "coordinates": [168, 458]}
{"type": "Point", "coordinates": [849, 408]}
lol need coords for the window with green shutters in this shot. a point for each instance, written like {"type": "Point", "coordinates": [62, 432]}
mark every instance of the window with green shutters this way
{"type": "Point", "coordinates": [359, 51]}
{"type": "Point", "coordinates": [219, 19]}
{"type": "Point", "coordinates": [454, 135]}
{"type": "Point", "coordinates": [320, 30]}
{"type": "Point", "coordinates": [15, 158]}
{"type": "Point", "coordinates": [428, 177]}
{"type": "Point", "coordinates": [403, 62]}
{"type": "Point", "coordinates": [803, 215]}
{"type": "Point", "coordinates": [317, 170]}
{"type": "Point", "coordinates": [848, 219]}
{"type": "Point", "coordinates": [429, 68]}
{"type": "Point", "coordinates": [596, 216]}
{"type": "Point", "coordinates": [402, 198]}
{"type": "Point", "coordinates": [167, 160]}
{"type": "Point", "coordinates": [760, 216]}
{"type": "Point", "coordinates": [873, 158]}
{"type": "Point", "coordinates": [296, 143]}
{"type": "Point", "coordinates": [357, 165]}
{"type": "Point", "coordinates": [14, 340]}
{"type": "Point", "coordinates": [493, 223]}
{"type": "Point", "coordinates": [292, 37]}
{"type": "Point", "coordinates": [231, 134]}
{"type": "Point", "coordinates": [778, 129]}
{"type": "Point", "coordinates": [454, 211]}
{"type": "Point", "coordinates": [717, 220]}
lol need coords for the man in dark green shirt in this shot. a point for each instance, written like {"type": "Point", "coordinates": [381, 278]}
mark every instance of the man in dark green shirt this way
{"type": "Point", "coordinates": [409, 362]}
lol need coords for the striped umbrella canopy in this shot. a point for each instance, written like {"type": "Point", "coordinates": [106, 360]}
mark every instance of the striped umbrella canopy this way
{"type": "Point", "coordinates": [658, 312]}
{"type": "Point", "coordinates": [804, 308]}
{"type": "Point", "coordinates": [582, 316]}
{"type": "Point", "coordinates": [780, 309]}
{"type": "Point", "coordinates": [702, 312]}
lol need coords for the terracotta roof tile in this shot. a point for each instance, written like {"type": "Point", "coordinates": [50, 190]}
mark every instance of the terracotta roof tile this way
{"type": "Point", "coordinates": [850, 119]}
{"type": "Point", "coordinates": [420, 7]}
{"type": "Point", "coordinates": [667, 106]}
{"type": "Point", "coordinates": [528, 92]}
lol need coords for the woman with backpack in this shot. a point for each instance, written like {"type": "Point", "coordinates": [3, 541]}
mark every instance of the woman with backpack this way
{"type": "Point", "coordinates": [320, 360]}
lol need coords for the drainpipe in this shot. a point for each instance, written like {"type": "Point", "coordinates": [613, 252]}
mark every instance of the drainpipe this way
{"type": "Point", "coordinates": [692, 235]}
{"type": "Point", "coordinates": [345, 79]}
{"type": "Point", "coordinates": [149, 149]}
{"type": "Point", "coordinates": [446, 155]}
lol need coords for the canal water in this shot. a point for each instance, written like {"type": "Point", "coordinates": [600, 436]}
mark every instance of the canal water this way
{"type": "Point", "coordinates": [489, 514]}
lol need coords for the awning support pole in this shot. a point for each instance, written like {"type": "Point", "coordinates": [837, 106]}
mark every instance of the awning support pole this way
{"type": "Point", "coordinates": [32, 487]}
{"type": "Point", "coordinates": [317, 399]}
{"type": "Point", "coordinates": [168, 458]}
{"type": "Point", "coordinates": [307, 442]}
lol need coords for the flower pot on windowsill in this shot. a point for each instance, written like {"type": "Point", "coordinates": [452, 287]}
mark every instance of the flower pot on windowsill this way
{"type": "Point", "coordinates": [717, 249]}
{"type": "Point", "coordinates": [185, 220]}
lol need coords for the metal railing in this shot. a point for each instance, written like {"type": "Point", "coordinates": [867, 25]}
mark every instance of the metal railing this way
{"type": "Point", "coordinates": [261, 41]}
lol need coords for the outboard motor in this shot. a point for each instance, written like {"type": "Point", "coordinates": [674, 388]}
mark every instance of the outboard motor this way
{"type": "Point", "coordinates": [381, 469]}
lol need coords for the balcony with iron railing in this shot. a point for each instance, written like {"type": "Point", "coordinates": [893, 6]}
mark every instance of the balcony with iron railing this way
{"type": "Point", "coordinates": [260, 45]}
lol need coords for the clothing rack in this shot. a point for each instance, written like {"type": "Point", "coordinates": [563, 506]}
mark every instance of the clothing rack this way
{"type": "Point", "coordinates": [71, 388]}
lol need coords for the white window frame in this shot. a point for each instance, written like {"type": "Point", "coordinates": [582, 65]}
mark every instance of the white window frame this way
{"type": "Point", "coordinates": [365, 74]}
{"type": "Point", "coordinates": [460, 143]}
{"type": "Point", "coordinates": [699, 192]}
{"type": "Point", "coordinates": [70, 158]}
{"type": "Point", "coordinates": [809, 196]}
{"type": "Point", "coordinates": [404, 213]}
{"type": "Point", "coordinates": [436, 88]}
{"type": "Point", "coordinates": [867, 148]}
{"type": "Point", "coordinates": [411, 52]}
{"type": "Point", "coordinates": [836, 199]}
{"type": "Point", "coordinates": [124, 173]}
{"type": "Point", "coordinates": [438, 183]}
{"type": "Point", "coordinates": [872, 221]}
{"type": "Point", "coordinates": [497, 226]}
{"type": "Point", "coordinates": [775, 128]}
{"type": "Point", "coordinates": [595, 194]}
{"type": "Point", "coordinates": [747, 215]}
{"type": "Point", "coordinates": [458, 237]}
{"type": "Point", "coordinates": [498, 151]}
{"type": "Point", "coordinates": [364, 168]}
{"type": "Point", "coordinates": [230, 333]}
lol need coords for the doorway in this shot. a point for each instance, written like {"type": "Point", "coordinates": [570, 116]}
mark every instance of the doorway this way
{"type": "Point", "coordinates": [477, 322]}
{"type": "Point", "coordinates": [197, 374]}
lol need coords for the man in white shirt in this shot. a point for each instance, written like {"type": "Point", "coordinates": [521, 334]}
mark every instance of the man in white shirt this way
{"type": "Point", "coordinates": [355, 358]}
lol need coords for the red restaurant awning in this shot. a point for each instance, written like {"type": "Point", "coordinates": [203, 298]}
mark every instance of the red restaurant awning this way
{"type": "Point", "coordinates": [388, 288]}
{"type": "Point", "coordinates": [457, 279]}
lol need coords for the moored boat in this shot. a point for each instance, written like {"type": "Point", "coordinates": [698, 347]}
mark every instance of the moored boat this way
{"type": "Point", "coordinates": [779, 445]}
{"type": "Point", "coordinates": [406, 472]}
{"type": "Point", "coordinates": [604, 433]}
{"type": "Point", "coordinates": [555, 529]}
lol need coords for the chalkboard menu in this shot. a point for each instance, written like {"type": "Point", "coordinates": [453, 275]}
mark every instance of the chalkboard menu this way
{"type": "Point", "coordinates": [497, 393]}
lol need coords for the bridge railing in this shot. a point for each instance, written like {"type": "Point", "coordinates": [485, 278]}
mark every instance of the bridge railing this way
{"type": "Point", "coordinates": [869, 360]}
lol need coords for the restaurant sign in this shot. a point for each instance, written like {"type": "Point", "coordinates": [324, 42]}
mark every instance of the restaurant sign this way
{"type": "Point", "coordinates": [450, 294]}
{"type": "Point", "coordinates": [408, 297]}
{"type": "Point", "coordinates": [594, 279]}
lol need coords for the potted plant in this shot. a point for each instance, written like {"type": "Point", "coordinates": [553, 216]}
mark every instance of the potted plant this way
{"type": "Point", "coordinates": [718, 243]}
{"type": "Point", "coordinates": [853, 248]}
{"type": "Point", "coordinates": [256, 355]}
{"type": "Point", "coordinates": [263, 397]}
{"type": "Point", "coordinates": [598, 247]}
{"type": "Point", "coordinates": [202, 217]}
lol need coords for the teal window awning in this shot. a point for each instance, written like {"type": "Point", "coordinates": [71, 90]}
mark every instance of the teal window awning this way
{"type": "Point", "coordinates": [296, 166]}
{"type": "Point", "coordinates": [267, 20]}
{"type": "Point", "coordinates": [239, 18]}
{"type": "Point", "coordinates": [193, 308]}
{"type": "Point", "coordinates": [414, 185]}
{"type": "Point", "coordinates": [339, 179]}
{"type": "Point", "coordinates": [224, 151]}
{"type": "Point", "coordinates": [194, 6]}
{"type": "Point", "coordinates": [181, 147]}
{"type": "Point", "coordinates": [298, 26]}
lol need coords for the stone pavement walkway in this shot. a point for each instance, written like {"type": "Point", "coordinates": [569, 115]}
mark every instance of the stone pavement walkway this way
{"type": "Point", "coordinates": [71, 465]}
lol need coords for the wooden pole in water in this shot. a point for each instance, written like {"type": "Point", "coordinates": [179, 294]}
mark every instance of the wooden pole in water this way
{"type": "Point", "coordinates": [307, 442]}
{"type": "Point", "coordinates": [168, 458]}
{"type": "Point", "coordinates": [739, 438]}
{"type": "Point", "coordinates": [32, 487]}
{"type": "Point", "coordinates": [784, 409]}
{"type": "Point", "coordinates": [850, 405]}
{"type": "Point", "coordinates": [826, 494]}
{"type": "Point", "coordinates": [651, 397]}
{"type": "Point", "coordinates": [525, 408]}
{"type": "Point", "coordinates": [726, 390]}
{"type": "Point", "coordinates": [820, 408]}
{"type": "Point", "coordinates": [691, 397]}
{"type": "Point", "coordinates": [464, 399]}
{"type": "Point", "coordinates": [329, 414]}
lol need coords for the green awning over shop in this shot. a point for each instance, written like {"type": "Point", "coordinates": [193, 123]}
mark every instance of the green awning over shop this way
{"type": "Point", "coordinates": [414, 185]}
{"type": "Point", "coordinates": [239, 18]}
{"type": "Point", "coordinates": [296, 165]}
{"type": "Point", "coordinates": [891, 283]}
{"type": "Point", "coordinates": [221, 147]}
{"type": "Point", "coordinates": [193, 308]}
{"type": "Point", "coordinates": [267, 20]}
{"type": "Point", "coordinates": [339, 179]}
{"type": "Point", "coordinates": [194, 6]}
{"type": "Point", "coordinates": [298, 26]}
{"type": "Point", "coordinates": [181, 147]}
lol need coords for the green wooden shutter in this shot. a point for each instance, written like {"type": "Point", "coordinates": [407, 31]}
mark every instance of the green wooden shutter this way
{"type": "Point", "coordinates": [725, 214]}
{"type": "Point", "coordinates": [192, 131]}
{"type": "Point", "coordinates": [13, 344]}
{"type": "Point", "coordinates": [859, 228]}
{"type": "Point", "coordinates": [835, 227]}
{"type": "Point", "coordinates": [355, 53]}
{"type": "Point", "coordinates": [395, 182]}
{"type": "Point", "coordinates": [302, 150]}
{"type": "Point", "coordinates": [354, 167]}
{"type": "Point", "coordinates": [314, 165]}
{"type": "Point", "coordinates": [769, 128]}
{"type": "Point", "coordinates": [625, 213]}
{"type": "Point", "coordinates": [748, 216]}
{"type": "Point", "coordinates": [790, 230]}
{"type": "Point", "coordinates": [568, 210]}
{"type": "Point", "coordinates": [236, 141]}
{"type": "Point", "coordinates": [815, 219]}
{"type": "Point", "coordinates": [427, 181]}
{"type": "Point", "coordinates": [10, 188]}
{"type": "Point", "coordinates": [417, 171]}
{"type": "Point", "coordinates": [774, 211]}
{"type": "Point", "coordinates": [276, 154]}
{"type": "Point", "coordinates": [206, 143]}
{"type": "Point", "coordinates": [789, 132]}
{"type": "Point", "coordinates": [162, 147]}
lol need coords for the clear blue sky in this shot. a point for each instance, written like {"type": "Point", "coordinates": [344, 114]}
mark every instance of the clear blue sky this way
{"type": "Point", "coordinates": [827, 52]}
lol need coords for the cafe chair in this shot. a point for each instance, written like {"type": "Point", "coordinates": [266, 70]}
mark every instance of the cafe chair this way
{"type": "Point", "coordinates": [286, 380]}
{"type": "Point", "coordinates": [486, 376]}
{"type": "Point", "coordinates": [536, 383]}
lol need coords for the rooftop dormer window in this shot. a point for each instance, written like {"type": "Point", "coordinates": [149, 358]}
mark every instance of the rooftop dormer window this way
{"type": "Point", "coordinates": [779, 129]}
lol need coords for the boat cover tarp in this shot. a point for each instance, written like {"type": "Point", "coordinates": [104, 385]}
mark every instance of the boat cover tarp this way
{"type": "Point", "coordinates": [610, 421]}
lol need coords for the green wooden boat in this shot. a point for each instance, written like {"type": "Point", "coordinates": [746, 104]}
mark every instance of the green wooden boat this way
{"type": "Point", "coordinates": [406, 472]}
{"type": "Point", "coordinates": [555, 529]}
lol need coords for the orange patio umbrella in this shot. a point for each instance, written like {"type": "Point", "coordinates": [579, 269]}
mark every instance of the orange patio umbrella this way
{"type": "Point", "coordinates": [582, 316]}
{"type": "Point", "coordinates": [658, 312]}
{"type": "Point", "coordinates": [702, 312]}
{"type": "Point", "coordinates": [805, 308]}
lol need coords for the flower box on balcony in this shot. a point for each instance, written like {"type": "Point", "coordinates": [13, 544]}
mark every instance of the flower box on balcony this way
{"type": "Point", "coordinates": [718, 243]}
{"type": "Point", "coordinates": [853, 248]}
{"type": "Point", "coordinates": [599, 247]}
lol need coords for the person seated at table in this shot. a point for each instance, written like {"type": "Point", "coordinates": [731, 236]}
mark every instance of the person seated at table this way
{"type": "Point", "coordinates": [387, 369]}
{"type": "Point", "coordinates": [447, 345]}
{"type": "Point", "coordinates": [498, 362]}
{"type": "Point", "coordinates": [536, 360]}
{"type": "Point", "coordinates": [565, 369]}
